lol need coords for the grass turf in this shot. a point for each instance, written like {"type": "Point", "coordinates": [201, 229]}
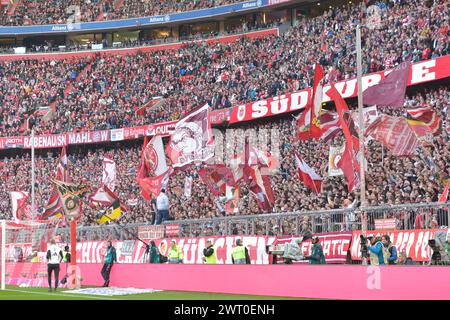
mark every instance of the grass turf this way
{"type": "Point", "coordinates": [16, 293]}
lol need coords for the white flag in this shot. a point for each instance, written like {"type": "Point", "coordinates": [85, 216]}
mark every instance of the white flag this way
{"type": "Point", "coordinates": [188, 187]}
{"type": "Point", "coordinates": [109, 173]}
{"type": "Point", "coordinates": [154, 157]}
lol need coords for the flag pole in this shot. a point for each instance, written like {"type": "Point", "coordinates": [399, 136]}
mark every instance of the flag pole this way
{"type": "Point", "coordinates": [33, 177]}
{"type": "Point", "coordinates": [361, 126]}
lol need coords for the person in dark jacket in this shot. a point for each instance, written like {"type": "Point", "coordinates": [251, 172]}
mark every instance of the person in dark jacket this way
{"type": "Point", "coordinates": [317, 256]}
{"type": "Point", "coordinates": [110, 258]}
{"type": "Point", "coordinates": [155, 256]}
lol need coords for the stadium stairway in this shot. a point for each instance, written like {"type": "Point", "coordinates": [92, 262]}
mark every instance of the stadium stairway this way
{"type": "Point", "coordinates": [70, 86]}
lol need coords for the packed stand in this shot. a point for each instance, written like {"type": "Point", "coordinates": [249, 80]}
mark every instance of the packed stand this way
{"type": "Point", "coordinates": [390, 181]}
{"type": "Point", "coordinates": [247, 70]}
{"type": "Point", "coordinates": [40, 12]}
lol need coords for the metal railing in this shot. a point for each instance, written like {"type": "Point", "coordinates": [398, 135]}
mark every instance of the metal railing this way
{"type": "Point", "coordinates": [408, 216]}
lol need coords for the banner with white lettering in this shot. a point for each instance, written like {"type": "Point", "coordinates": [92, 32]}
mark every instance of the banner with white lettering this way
{"type": "Point", "coordinates": [420, 72]}
{"type": "Point", "coordinates": [413, 242]}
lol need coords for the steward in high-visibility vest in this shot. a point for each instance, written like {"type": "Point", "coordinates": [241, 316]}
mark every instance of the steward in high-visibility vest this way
{"type": "Point", "coordinates": [209, 254]}
{"type": "Point", "coordinates": [239, 254]}
{"type": "Point", "coordinates": [66, 255]}
{"type": "Point", "coordinates": [34, 257]}
{"type": "Point", "coordinates": [175, 255]}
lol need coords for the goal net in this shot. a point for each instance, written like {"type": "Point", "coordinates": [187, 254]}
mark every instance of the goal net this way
{"type": "Point", "coordinates": [23, 248]}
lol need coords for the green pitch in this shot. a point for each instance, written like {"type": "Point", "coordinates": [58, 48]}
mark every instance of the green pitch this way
{"type": "Point", "coordinates": [16, 293]}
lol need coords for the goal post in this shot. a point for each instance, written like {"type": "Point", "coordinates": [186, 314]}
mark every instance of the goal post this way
{"type": "Point", "coordinates": [23, 246]}
{"type": "Point", "coordinates": [3, 254]}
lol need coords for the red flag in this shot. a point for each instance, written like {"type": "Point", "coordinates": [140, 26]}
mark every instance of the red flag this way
{"type": "Point", "coordinates": [308, 123]}
{"type": "Point", "coordinates": [425, 123]}
{"type": "Point", "coordinates": [216, 177]}
{"type": "Point", "coordinates": [350, 168]}
{"type": "Point", "coordinates": [391, 90]}
{"type": "Point", "coordinates": [444, 196]}
{"type": "Point", "coordinates": [395, 134]}
{"type": "Point", "coordinates": [143, 172]}
{"type": "Point", "coordinates": [151, 186]}
{"type": "Point", "coordinates": [154, 103]}
{"type": "Point", "coordinates": [330, 126]}
{"type": "Point", "coordinates": [317, 99]}
{"type": "Point", "coordinates": [54, 205]}
{"type": "Point", "coordinates": [346, 123]}
{"type": "Point", "coordinates": [306, 174]}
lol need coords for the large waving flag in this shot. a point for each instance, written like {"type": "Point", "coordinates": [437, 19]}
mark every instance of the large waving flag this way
{"type": "Point", "coordinates": [19, 204]}
{"type": "Point", "coordinates": [104, 196]}
{"type": "Point", "coordinates": [54, 205]}
{"type": "Point", "coordinates": [112, 213]}
{"type": "Point", "coordinates": [391, 90]}
{"type": "Point", "coordinates": [70, 195]}
{"type": "Point", "coordinates": [308, 123]}
{"type": "Point", "coordinates": [192, 140]}
{"type": "Point", "coordinates": [154, 158]}
{"type": "Point", "coordinates": [425, 123]}
{"type": "Point", "coordinates": [151, 177]}
{"type": "Point", "coordinates": [152, 186]}
{"type": "Point", "coordinates": [257, 183]}
{"type": "Point", "coordinates": [217, 177]}
{"type": "Point", "coordinates": [307, 174]}
{"type": "Point", "coordinates": [348, 162]}
{"type": "Point", "coordinates": [395, 134]}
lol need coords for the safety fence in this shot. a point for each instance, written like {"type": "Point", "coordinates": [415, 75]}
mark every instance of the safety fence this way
{"type": "Point", "coordinates": [401, 217]}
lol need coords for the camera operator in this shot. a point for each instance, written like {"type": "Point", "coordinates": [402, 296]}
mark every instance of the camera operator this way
{"type": "Point", "coordinates": [376, 252]}
{"type": "Point", "coordinates": [317, 256]}
{"type": "Point", "coordinates": [389, 250]}
{"type": "Point", "coordinates": [154, 255]}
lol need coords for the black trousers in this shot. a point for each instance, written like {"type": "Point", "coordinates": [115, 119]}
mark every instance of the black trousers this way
{"type": "Point", "coordinates": [106, 270]}
{"type": "Point", "coordinates": [53, 267]}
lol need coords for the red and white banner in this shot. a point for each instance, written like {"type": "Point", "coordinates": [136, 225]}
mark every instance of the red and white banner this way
{"type": "Point", "coordinates": [413, 242]}
{"type": "Point", "coordinates": [395, 134]}
{"type": "Point", "coordinates": [172, 230]}
{"type": "Point", "coordinates": [420, 72]}
{"type": "Point", "coordinates": [385, 224]}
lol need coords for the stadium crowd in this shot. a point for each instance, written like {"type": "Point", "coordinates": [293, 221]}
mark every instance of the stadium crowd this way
{"type": "Point", "coordinates": [115, 86]}
{"type": "Point", "coordinates": [390, 180]}
{"type": "Point", "coordinates": [31, 12]}
{"type": "Point", "coordinates": [106, 91]}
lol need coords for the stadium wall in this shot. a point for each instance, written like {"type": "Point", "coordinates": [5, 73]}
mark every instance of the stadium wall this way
{"type": "Point", "coordinates": [306, 281]}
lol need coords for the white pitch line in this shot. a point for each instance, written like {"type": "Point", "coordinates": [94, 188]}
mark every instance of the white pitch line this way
{"type": "Point", "coordinates": [62, 294]}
